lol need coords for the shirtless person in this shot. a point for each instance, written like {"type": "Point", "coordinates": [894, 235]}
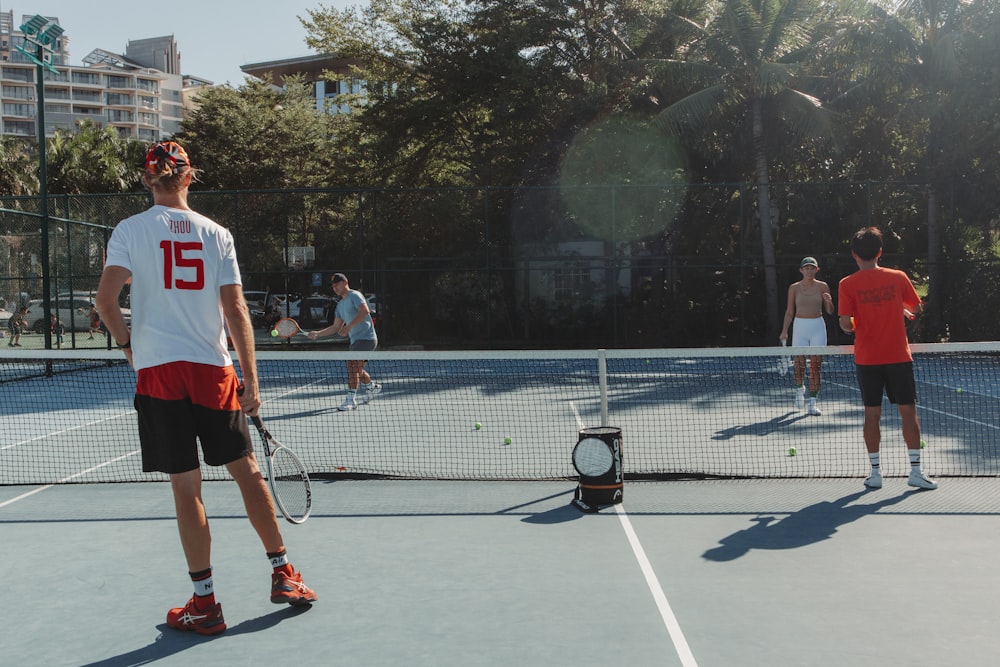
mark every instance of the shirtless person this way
{"type": "Point", "coordinates": [807, 299]}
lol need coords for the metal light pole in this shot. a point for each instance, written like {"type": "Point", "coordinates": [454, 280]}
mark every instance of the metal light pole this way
{"type": "Point", "coordinates": [42, 34]}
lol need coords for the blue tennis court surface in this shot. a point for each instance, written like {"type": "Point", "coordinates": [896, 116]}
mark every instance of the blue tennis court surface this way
{"type": "Point", "coordinates": [415, 573]}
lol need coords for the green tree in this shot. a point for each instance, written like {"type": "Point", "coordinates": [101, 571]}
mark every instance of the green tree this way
{"type": "Point", "coordinates": [93, 159]}
{"type": "Point", "coordinates": [749, 76]}
{"type": "Point", "coordinates": [910, 58]}
{"type": "Point", "coordinates": [258, 137]}
{"type": "Point", "coordinates": [18, 169]}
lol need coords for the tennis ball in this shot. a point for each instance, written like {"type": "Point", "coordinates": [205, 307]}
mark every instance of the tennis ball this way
{"type": "Point", "coordinates": [274, 332]}
{"type": "Point", "coordinates": [960, 390]}
{"type": "Point", "coordinates": [922, 444]}
{"type": "Point", "coordinates": [507, 440]}
{"type": "Point", "coordinates": [792, 451]}
{"type": "Point", "coordinates": [478, 426]}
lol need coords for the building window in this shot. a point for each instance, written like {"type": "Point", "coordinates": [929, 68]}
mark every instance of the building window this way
{"type": "Point", "coordinates": [11, 109]}
{"type": "Point", "coordinates": [18, 74]}
{"type": "Point", "coordinates": [118, 116]}
{"type": "Point", "coordinates": [18, 92]}
{"type": "Point", "coordinates": [118, 99]}
{"type": "Point", "coordinates": [87, 78]}
{"type": "Point", "coordinates": [570, 280]}
{"type": "Point", "coordinates": [115, 81]}
{"type": "Point", "coordinates": [19, 128]}
{"type": "Point", "coordinates": [87, 96]}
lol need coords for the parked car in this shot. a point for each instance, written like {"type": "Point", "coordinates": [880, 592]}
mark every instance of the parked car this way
{"type": "Point", "coordinates": [72, 311]}
{"type": "Point", "coordinates": [257, 303]}
{"type": "Point", "coordinates": [315, 311]}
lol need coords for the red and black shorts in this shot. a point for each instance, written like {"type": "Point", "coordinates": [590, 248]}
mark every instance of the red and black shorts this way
{"type": "Point", "coordinates": [181, 403]}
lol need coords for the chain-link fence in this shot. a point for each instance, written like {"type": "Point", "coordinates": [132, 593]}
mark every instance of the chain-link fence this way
{"type": "Point", "coordinates": [505, 268]}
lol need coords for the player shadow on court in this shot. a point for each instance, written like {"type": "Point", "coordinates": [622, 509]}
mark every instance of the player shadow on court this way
{"type": "Point", "coordinates": [760, 428]}
{"type": "Point", "coordinates": [171, 642]}
{"type": "Point", "coordinates": [809, 525]}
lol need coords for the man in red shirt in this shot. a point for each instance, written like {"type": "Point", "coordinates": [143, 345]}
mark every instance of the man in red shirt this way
{"type": "Point", "coordinates": [873, 304]}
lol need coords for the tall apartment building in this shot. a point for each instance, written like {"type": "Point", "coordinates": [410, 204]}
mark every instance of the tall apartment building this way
{"type": "Point", "coordinates": [141, 93]}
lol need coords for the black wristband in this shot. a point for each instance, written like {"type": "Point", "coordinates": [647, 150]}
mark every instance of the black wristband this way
{"type": "Point", "coordinates": [125, 346]}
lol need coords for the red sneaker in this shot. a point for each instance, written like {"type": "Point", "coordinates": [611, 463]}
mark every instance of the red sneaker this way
{"type": "Point", "coordinates": [204, 622]}
{"type": "Point", "coordinates": [287, 586]}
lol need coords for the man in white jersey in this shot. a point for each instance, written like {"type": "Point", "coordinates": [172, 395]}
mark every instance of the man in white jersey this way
{"type": "Point", "coordinates": [186, 288]}
{"type": "Point", "coordinates": [354, 320]}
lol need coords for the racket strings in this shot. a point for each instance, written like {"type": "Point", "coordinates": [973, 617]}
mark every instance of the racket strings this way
{"type": "Point", "coordinates": [290, 482]}
{"type": "Point", "coordinates": [286, 328]}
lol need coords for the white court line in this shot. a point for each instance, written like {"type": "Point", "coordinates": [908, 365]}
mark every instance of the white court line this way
{"type": "Point", "coordinates": [293, 391]}
{"type": "Point", "coordinates": [69, 478]}
{"type": "Point", "coordinates": [67, 430]}
{"type": "Point", "coordinates": [92, 469]}
{"type": "Point", "coordinates": [926, 408]}
{"type": "Point", "coordinates": [666, 613]}
{"type": "Point", "coordinates": [652, 582]}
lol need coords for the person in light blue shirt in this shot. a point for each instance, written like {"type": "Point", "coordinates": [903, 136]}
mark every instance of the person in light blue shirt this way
{"type": "Point", "coordinates": [354, 320]}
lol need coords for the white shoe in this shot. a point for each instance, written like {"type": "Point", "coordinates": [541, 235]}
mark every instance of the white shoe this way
{"type": "Point", "coordinates": [374, 388]}
{"type": "Point", "coordinates": [920, 480]}
{"type": "Point", "coordinates": [812, 409]}
{"type": "Point", "coordinates": [348, 404]}
{"type": "Point", "coordinates": [875, 480]}
{"type": "Point", "coordinates": [800, 398]}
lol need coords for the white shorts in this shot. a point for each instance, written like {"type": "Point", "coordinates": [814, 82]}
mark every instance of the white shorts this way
{"type": "Point", "coordinates": [806, 331]}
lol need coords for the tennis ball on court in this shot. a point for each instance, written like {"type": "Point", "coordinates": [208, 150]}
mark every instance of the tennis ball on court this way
{"type": "Point", "coordinates": [923, 444]}
{"type": "Point", "coordinates": [478, 426]}
{"type": "Point", "coordinates": [274, 332]}
{"type": "Point", "coordinates": [792, 451]}
{"type": "Point", "coordinates": [960, 390]}
{"type": "Point", "coordinates": [507, 440]}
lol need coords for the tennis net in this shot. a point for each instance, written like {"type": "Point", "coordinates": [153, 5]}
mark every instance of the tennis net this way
{"type": "Point", "coordinates": [68, 415]}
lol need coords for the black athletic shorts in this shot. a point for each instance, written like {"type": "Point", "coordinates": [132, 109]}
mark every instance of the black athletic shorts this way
{"type": "Point", "coordinates": [896, 380]}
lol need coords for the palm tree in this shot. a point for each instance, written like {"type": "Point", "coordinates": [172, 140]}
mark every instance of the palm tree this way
{"type": "Point", "coordinates": [747, 71]}
{"type": "Point", "coordinates": [92, 159]}
{"type": "Point", "coordinates": [908, 57]}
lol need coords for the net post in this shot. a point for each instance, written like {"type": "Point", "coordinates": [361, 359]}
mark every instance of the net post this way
{"type": "Point", "coordinates": [602, 380]}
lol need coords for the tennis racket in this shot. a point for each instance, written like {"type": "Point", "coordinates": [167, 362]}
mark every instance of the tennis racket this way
{"type": "Point", "coordinates": [784, 362]}
{"type": "Point", "coordinates": [286, 476]}
{"type": "Point", "coordinates": [286, 327]}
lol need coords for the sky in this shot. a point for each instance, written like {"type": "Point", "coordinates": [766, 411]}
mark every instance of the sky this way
{"type": "Point", "coordinates": [254, 31]}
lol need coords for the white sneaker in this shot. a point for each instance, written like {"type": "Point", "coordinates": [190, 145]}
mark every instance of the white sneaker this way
{"type": "Point", "coordinates": [920, 480]}
{"type": "Point", "coordinates": [348, 404]}
{"type": "Point", "coordinates": [800, 398]}
{"type": "Point", "coordinates": [875, 480]}
{"type": "Point", "coordinates": [813, 410]}
{"type": "Point", "coordinates": [374, 388]}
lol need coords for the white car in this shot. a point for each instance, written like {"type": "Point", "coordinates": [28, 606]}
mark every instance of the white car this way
{"type": "Point", "coordinates": [73, 312]}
